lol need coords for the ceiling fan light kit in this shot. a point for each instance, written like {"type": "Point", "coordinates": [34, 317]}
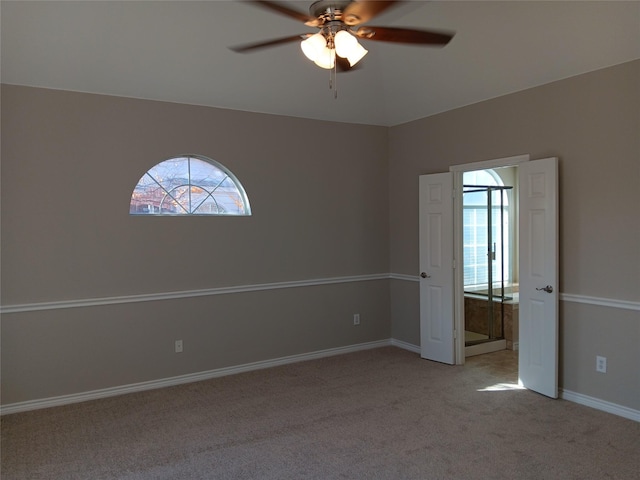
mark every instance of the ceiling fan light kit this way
{"type": "Point", "coordinates": [336, 38]}
{"type": "Point", "coordinates": [322, 48]}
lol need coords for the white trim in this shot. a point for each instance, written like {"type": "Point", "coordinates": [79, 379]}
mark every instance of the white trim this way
{"type": "Point", "coordinates": [565, 297]}
{"type": "Point", "coordinates": [568, 395]}
{"type": "Point", "coordinates": [406, 346]}
{"type": "Point", "coordinates": [406, 278]}
{"type": "Point", "coordinates": [495, 163]}
{"type": "Point", "coordinates": [603, 405]}
{"type": "Point", "coordinates": [604, 302]}
{"type": "Point", "coordinates": [182, 379]}
{"type": "Point", "coordinates": [95, 302]}
{"type": "Point", "coordinates": [19, 407]}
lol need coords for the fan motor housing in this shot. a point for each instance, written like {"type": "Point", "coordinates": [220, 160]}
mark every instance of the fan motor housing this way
{"type": "Point", "coordinates": [321, 7]}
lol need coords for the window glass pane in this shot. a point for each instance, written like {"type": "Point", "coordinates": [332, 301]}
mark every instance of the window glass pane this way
{"type": "Point", "coordinates": [146, 196]}
{"type": "Point", "coordinates": [202, 174]}
{"type": "Point", "coordinates": [208, 206]}
{"type": "Point", "coordinates": [170, 173]}
{"type": "Point", "coordinates": [189, 186]}
{"type": "Point", "coordinates": [178, 198]}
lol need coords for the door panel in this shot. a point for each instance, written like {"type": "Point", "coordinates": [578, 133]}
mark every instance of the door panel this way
{"type": "Point", "coordinates": [538, 356]}
{"type": "Point", "coordinates": [435, 313]}
{"type": "Point", "coordinates": [436, 266]}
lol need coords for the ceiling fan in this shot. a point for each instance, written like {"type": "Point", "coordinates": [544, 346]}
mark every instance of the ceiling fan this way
{"type": "Point", "coordinates": [336, 45]}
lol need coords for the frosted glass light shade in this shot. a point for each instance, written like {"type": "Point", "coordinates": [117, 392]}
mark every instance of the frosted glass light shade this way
{"type": "Point", "coordinates": [344, 42]}
{"type": "Point", "coordinates": [326, 59]}
{"type": "Point", "coordinates": [356, 55]}
{"type": "Point", "coordinates": [348, 47]}
{"type": "Point", "coordinates": [313, 46]}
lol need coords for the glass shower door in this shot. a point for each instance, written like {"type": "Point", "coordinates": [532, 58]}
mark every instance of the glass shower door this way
{"type": "Point", "coordinates": [485, 228]}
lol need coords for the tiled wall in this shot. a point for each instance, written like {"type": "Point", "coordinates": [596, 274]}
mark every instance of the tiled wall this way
{"type": "Point", "coordinates": [476, 315]}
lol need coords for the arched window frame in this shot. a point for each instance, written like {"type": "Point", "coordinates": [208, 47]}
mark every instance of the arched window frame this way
{"type": "Point", "coordinates": [173, 188]}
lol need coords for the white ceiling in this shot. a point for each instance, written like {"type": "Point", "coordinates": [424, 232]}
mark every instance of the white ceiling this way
{"type": "Point", "coordinates": [177, 51]}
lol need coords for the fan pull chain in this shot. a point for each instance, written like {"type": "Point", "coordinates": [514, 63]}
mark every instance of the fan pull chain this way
{"type": "Point", "coordinates": [335, 80]}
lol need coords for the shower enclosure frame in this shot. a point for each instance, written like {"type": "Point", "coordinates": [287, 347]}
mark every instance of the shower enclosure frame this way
{"type": "Point", "coordinates": [491, 256]}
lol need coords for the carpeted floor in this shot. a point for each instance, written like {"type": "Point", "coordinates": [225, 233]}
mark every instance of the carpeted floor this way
{"type": "Point", "coordinates": [376, 414]}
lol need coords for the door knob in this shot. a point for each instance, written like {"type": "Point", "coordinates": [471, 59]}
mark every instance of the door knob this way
{"type": "Point", "coordinates": [548, 289]}
{"type": "Point", "coordinates": [424, 275]}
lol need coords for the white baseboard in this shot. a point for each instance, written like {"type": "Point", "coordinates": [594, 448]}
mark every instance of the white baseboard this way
{"type": "Point", "coordinates": [406, 346]}
{"type": "Point", "coordinates": [599, 404]}
{"type": "Point", "coordinates": [568, 395]}
{"type": "Point", "coordinates": [182, 379]}
{"type": "Point", "coordinates": [18, 407]}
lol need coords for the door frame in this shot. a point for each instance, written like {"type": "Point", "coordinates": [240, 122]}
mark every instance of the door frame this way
{"type": "Point", "coordinates": [458, 289]}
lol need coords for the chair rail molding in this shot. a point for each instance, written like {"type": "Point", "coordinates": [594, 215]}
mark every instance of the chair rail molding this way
{"type": "Point", "coordinates": [150, 297]}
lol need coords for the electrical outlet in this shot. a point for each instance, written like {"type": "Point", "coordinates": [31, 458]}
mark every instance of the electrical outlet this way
{"type": "Point", "coordinates": [601, 364]}
{"type": "Point", "coordinates": [178, 346]}
{"type": "Point", "coordinates": [356, 319]}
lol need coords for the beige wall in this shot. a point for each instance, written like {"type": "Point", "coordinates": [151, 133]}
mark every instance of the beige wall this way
{"type": "Point", "coordinates": [70, 161]}
{"type": "Point", "coordinates": [329, 200]}
{"type": "Point", "coordinates": [592, 123]}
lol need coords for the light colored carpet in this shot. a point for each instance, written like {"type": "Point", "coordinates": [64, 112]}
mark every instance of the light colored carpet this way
{"type": "Point", "coordinates": [377, 414]}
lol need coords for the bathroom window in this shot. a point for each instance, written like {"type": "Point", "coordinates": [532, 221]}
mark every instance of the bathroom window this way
{"type": "Point", "coordinates": [189, 185]}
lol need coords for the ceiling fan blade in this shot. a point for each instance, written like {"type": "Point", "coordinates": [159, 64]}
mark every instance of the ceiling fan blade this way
{"type": "Point", "coordinates": [268, 43]}
{"type": "Point", "coordinates": [287, 12]}
{"type": "Point", "coordinates": [403, 35]}
{"type": "Point", "coordinates": [361, 11]}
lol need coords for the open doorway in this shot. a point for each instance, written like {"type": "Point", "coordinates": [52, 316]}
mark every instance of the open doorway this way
{"type": "Point", "coordinates": [442, 279]}
{"type": "Point", "coordinates": [493, 309]}
{"type": "Point", "coordinates": [490, 259]}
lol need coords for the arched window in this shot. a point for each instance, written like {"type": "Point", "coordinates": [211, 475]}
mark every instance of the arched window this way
{"type": "Point", "coordinates": [189, 185]}
{"type": "Point", "coordinates": [485, 229]}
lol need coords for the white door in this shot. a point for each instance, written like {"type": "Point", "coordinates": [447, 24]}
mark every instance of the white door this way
{"type": "Point", "coordinates": [538, 357]}
{"type": "Point", "coordinates": [436, 267]}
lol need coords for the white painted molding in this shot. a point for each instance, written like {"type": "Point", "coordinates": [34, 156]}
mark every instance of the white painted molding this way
{"type": "Point", "coordinates": [495, 163]}
{"type": "Point", "coordinates": [568, 395]}
{"type": "Point", "coordinates": [96, 302]}
{"type": "Point", "coordinates": [604, 302]}
{"type": "Point", "coordinates": [19, 407]}
{"type": "Point", "coordinates": [182, 379]}
{"type": "Point", "coordinates": [599, 404]}
{"type": "Point", "coordinates": [402, 276]}
{"type": "Point", "coordinates": [566, 297]}
{"type": "Point", "coordinates": [406, 346]}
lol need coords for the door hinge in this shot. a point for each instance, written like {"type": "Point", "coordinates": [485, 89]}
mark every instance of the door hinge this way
{"type": "Point", "coordinates": [455, 334]}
